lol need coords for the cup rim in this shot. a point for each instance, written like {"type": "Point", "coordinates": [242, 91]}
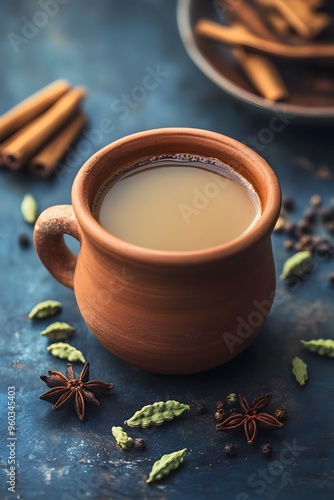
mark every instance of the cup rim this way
{"type": "Point", "coordinates": [112, 244]}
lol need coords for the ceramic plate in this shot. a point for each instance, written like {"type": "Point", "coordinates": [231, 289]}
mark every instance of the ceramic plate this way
{"type": "Point", "coordinates": [311, 87]}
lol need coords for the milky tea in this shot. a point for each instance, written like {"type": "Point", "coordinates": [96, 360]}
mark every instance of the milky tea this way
{"type": "Point", "coordinates": [179, 203]}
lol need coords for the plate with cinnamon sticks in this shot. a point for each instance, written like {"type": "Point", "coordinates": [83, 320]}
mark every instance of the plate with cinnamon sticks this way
{"type": "Point", "coordinates": [275, 55]}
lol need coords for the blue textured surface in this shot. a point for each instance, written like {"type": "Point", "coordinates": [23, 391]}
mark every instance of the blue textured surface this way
{"type": "Point", "coordinates": [107, 46]}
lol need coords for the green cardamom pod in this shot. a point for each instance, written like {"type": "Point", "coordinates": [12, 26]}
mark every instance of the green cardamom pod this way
{"type": "Point", "coordinates": [232, 398]}
{"type": "Point", "coordinates": [166, 465]}
{"type": "Point", "coordinates": [156, 414]}
{"type": "Point", "coordinates": [122, 439]}
{"type": "Point", "coordinates": [58, 331]}
{"type": "Point", "coordinates": [66, 351]}
{"type": "Point", "coordinates": [324, 347]}
{"type": "Point", "coordinates": [29, 209]}
{"type": "Point", "coordinates": [298, 265]}
{"type": "Point", "coordinates": [45, 309]}
{"type": "Point", "coordinates": [299, 369]}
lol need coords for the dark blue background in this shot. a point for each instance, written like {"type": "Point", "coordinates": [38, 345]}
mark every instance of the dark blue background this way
{"type": "Point", "coordinates": [107, 46]}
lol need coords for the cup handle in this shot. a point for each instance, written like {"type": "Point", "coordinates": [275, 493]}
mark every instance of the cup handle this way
{"type": "Point", "coordinates": [49, 242]}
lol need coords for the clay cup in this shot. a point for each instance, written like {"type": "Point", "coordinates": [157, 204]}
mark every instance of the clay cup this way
{"type": "Point", "coordinates": [166, 312]}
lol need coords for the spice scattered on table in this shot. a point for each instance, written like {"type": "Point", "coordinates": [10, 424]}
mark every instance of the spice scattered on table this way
{"type": "Point", "coordinates": [316, 200]}
{"type": "Point", "coordinates": [288, 203]}
{"type": "Point", "coordinates": [281, 413]}
{"type": "Point", "coordinates": [298, 265]}
{"type": "Point", "coordinates": [58, 330]}
{"type": "Point", "coordinates": [201, 408]}
{"type": "Point", "coordinates": [157, 414]}
{"type": "Point", "coordinates": [45, 309]}
{"type": "Point", "coordinates": [232, 398]}
{"type": "Point", "coordinates": [69, 389]}
{"type": "Point", "coordinates": [312, 232]}
{"type": "Point", "coordinates": [166, 464]}
{"type": "Point", "coordinates": [124, 441]}
{"type": "Point", "coordinates": [267, 450]}
{"type": "Point", "coordinates": [249, 417]}
{"type": "Point", "coordinates": [230, 450]}
{"type": "Point", "coordinates": [29, 209]}
{"type": "Point", "coordinates": [323, 347]}
{"type": "Point", "coordinates": [220, 415]}
{"type": "Point", "coordinates": [139, 444]}
{"type": "Point", "coordinates": [24, 240]}
{"type": "Point", "coordinates": [63, 350]}
{"type": "Point", "coordinates": [299, 370]}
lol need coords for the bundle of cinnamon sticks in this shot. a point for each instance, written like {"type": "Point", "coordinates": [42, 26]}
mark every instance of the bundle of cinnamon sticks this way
{"type": "Point", "coordinates": [37, 132]}
{"type": "Point", "coordinates": [260, 29]}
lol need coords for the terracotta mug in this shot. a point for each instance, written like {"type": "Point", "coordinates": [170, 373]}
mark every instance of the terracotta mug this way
{"type": "Point", "coordinates": [166, 312]}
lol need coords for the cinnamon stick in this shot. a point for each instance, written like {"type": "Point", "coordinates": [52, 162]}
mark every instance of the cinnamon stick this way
{"type": "Point", "coordinates": [31, 107]}
{"type": "Point", "coordinates": [278, 22]}
{"type": "Point", "coordinates": [34, 137]}
{"type": "Point", "coordinates": [11, 139]}
{"type": "Point", "coordinates": [231, 36]}
{"type": "Point", "coordinates": [251, 20]}
{"type": "Point", "coordinates": [43, 164]}
{"type": "Point", "coordinates": [300, 16]}
{"type": "Point", "coordinates": [317, 21]}
{"type": "Point", "coordinates": [262, 73]}
{"type": "Point", "coordinates": [315, 4]}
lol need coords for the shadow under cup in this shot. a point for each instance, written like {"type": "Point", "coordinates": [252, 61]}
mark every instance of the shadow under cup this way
{"type": "Point", "coordinates": [166, 312]}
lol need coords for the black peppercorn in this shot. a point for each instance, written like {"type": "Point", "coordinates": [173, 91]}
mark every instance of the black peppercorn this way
{"type": "Point", "coordinates": [266, 450]}
{"type": "Point", "coordinates": [139, 444]}
{"type": "Point", "coordinates": [288, 203]}
{"type": "Point", "coordinates": [24, 240]}
{"type": "Point", "coordinates": [324, 248]}
{"type": "Point", "coordinates": [304, 226]}
{"type": "Point", "coordinates": [310, 215]}
{"type": "Point", "coordinates": [230, 450]}
{"type": "Point", "coordinates": [327, 214]}
{"type": "Point", "coordinates": [330, 227]}
{"type": "Point", "coordinates": [201, 408]}
{"type": "Point", "coordinates": [220, 405]}
{"type": "Point", "coordinates": [290, 229]}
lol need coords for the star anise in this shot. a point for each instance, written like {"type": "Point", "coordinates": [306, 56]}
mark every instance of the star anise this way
{"type": "Point", "coordinates": [249, 417]}
{"type": "Point", "coordinates": [68, 389]}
